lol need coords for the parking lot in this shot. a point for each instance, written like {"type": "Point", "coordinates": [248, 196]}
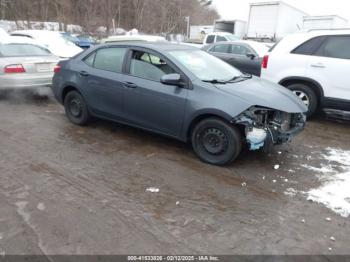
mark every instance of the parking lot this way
{"type": "Point", "coordinates": [110, 189]}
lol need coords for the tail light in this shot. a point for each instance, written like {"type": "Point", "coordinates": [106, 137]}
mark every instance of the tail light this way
{"type": "Point", "coordinates": [13, 69]}
{"type": "Point", "coordinates": [265, 62]}
{"type": "Point", "coordinates": [57, 69]}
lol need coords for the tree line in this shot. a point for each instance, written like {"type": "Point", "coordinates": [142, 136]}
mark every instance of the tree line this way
{"type": "Point", "coordinates": [148, 16]}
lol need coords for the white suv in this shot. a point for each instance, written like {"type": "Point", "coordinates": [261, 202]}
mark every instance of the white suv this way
{"type": "Point", "coordinates": [315, 66]}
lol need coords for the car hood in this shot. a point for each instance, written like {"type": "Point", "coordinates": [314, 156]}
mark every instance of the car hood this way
{"type": "Point", "coordinates": [259, 92]}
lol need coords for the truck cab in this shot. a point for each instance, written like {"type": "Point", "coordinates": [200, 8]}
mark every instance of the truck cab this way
{"type": "Point", "coordinates": [219, 37]}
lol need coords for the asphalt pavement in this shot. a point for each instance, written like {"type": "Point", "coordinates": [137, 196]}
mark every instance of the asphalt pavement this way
{"type": "Point", "coordinates": [112, 189]}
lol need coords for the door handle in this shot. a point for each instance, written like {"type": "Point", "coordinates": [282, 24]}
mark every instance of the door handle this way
{"type": "Point", "coordinates": [130, 85]}
{"type": "Point", "coordinates": [318, 65]}
{"type": "Point", "coordinates": [84, 73]}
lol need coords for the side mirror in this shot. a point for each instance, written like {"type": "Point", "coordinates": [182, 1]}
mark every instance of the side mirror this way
{"type": "Point", "coordinates": [251, 55]}
{"type": "Point", "coordinates": [172, 80]}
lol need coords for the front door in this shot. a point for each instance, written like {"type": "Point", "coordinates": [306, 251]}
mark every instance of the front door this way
{"type": "Point", "coordinates": [330, 66]}
{"type": "Point", "coordinates": [149, 103]}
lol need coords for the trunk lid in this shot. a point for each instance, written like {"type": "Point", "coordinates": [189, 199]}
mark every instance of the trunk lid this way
{"type": "Point", "coordinates": [33, 65]}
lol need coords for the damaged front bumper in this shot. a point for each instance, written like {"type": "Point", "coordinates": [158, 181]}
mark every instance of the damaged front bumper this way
{"type": "Point", "coordinates": [265, 127]}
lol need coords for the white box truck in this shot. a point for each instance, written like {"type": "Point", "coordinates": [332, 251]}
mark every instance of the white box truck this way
{"type": "Point", "coordinates": [235, 27]}
{"type": "Point", "coordinates": [273, 20]}
{"type": "Point", "coordinates": [324, 22]}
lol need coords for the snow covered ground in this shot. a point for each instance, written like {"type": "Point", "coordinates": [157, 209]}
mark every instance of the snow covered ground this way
{"type": "Point", "coordinates": [10, 26]}
{"type": "Point", "coordinates": [335, 177]}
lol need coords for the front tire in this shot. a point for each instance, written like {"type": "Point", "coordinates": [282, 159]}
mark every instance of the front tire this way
{"type": "Point", "coordinates": [307, 95]}
{"type": "Point", "coordinates": [216, 142]}
{"type": "Point", "coordinates": [76, 108]}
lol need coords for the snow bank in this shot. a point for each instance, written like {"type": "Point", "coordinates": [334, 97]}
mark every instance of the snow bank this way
{"type": "Point", "coordinates": [335, 190]}
{"type": "Point", "coordinates": [10, 26]}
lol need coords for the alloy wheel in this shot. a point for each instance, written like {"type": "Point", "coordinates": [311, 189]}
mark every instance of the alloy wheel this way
{"type": "Point", "coordinates": [303, 96]}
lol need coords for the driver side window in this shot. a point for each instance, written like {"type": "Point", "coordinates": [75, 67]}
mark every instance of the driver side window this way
{"type": "Point", "coordinates": [149, 66]}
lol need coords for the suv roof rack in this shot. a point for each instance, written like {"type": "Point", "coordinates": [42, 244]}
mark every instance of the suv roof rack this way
{"type": "Point", "coordinates": [330, 29]}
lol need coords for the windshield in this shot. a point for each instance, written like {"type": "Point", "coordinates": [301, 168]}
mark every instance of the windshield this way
{"type": "Point", "coordinates": [205, 66]}
{"type": "Point", "coordinates": [22, 50]}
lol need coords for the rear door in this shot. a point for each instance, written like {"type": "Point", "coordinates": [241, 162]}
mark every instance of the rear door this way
{"type": "Point", "coordinates": [101, 77]}
{"type": "Point", "coordinates": [149, 103]}
{"type": "Point", "coordinates": [330, 66]}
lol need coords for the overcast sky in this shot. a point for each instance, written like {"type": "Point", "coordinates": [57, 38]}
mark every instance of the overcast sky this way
{"type": "Point", "coordinates": [239, 9]}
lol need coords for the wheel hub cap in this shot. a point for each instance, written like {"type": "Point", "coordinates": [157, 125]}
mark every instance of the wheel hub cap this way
{"type": "Point", "coordinates": [304, 97]}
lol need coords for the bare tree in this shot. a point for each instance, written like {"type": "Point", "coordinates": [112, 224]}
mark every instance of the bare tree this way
{"type": "Point", "coordinates": [149, 16]}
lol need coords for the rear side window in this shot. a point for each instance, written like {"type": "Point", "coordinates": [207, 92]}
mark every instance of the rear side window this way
{"type": "Point", "coordinates": [310, 46]}
{"type": "Point", "coordinates": [335, 47]}
{"type": "Point", "coordinates": [220, 39]}
{"type": "Point", "coordinates": [90, 59]}
{"type": "Point", "coordinates": [109, 59]}
{"type": "Point", "coordinates": [210, 39]}
{"type": "Point", "coordinates": [220, 49]}
{"type": "Point", "coordinates": [10, 50]}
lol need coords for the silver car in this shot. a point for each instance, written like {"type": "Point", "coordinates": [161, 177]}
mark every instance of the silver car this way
{"type": "Point", "coordinates": [25, 66]}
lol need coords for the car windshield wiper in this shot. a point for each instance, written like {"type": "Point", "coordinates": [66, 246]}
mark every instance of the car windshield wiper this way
{"type": "Point", "coordinates": [240, 77]}
{"type": "Point", "coordinates": [247, 76]}
{"type": "Point", "coordinates": [215, 81]}
{"type": "Point", "coordinates": [232, 80]}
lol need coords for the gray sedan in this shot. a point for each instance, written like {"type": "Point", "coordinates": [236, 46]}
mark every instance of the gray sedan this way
{"type": "Point", "coordinates": [244, 55]}
{"type": "Point", "coordinates": [25, 66]}
{"type": "Point", "coordinates": [181, 92]}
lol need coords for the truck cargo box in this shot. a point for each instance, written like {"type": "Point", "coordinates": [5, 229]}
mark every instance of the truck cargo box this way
{"type": "Point", "coordinates": [324, 22]}
{"type": "Point", "coordinates": [273, 20]}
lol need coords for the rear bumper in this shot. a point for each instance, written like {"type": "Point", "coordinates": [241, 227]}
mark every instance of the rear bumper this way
{"type": "Point", "coordinates": [17, 81]}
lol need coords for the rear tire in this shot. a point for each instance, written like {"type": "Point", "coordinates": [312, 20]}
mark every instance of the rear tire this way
{"type": "Point", "coordinates": [307, 95]}
{"type": "Point", "coordinates": [76, 108]}
{"type": "Point", "coordinates": [216, 142]}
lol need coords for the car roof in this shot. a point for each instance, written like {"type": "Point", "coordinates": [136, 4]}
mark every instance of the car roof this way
{"type": "Point", "coordinates": [259, 47]}
{"type": "Point", "coordinates": [161, 46]}
{"type": "Point", "coordinates": [123, 38]}
{"type": "Point", "coordinates": [19, 40]}
{"type": "Point", "coordinates": [36, 33]}
{"type": "Point", "coordinates": [247, 42]}
{"type": "Point", "coordinates": [290, 42]}
{"type": "Point", "coordinates": [321, 32]}
{"type": "Point", "coordinates": [220, 33]}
